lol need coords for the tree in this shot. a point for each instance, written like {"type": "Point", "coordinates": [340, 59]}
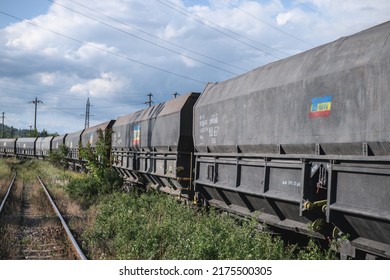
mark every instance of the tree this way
{"type": "Point", "coordinates": [58, 157]}
{"type": "Point", "coordinates": [98, 162]}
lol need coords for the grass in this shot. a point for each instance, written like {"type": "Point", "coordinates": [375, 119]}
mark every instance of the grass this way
{"type": "Point", "coordinates": [155, 226]}
{"type": "Point", "coordinates": [5, 176]}
{"type": "Point", "coordinates": [5, 168]}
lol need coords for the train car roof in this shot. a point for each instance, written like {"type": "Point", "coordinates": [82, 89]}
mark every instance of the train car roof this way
{"type": "Point", "coordinates": [161, 109]}
{"type": "Point", "coordinates": [102, 126]}
{"type": "Point", "coordinates": [26, 139]}
{"type": "Point", "coordinates": [343, 54]}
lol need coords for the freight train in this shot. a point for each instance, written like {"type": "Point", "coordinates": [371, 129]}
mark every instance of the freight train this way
{"type": "Point", "coordinates": [303, 144]}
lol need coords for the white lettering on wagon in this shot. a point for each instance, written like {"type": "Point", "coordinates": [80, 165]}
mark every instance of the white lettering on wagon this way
{"type": "Point", "coordinates": [291, 183]}
{"type": "Point", "coordinates": [208, 129]}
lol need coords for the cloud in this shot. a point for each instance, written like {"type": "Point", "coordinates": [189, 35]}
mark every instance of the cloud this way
{"type": "Point", "coordinates": [107, 84]}
{"type": "Point", "coordinates": [283, 18]}
{"type": "Point", "coordinates": [117, 51]}
{"type": "Point", "coordinates": [48, 78]}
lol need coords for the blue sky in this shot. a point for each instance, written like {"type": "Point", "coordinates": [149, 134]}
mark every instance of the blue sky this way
{"type": "Point", "coordinates": [23, 9]}
{"type": "Point", "coordinates": [116, 52]}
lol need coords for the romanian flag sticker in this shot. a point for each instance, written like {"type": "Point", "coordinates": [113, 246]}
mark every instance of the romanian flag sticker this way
{"type": "Point", "coordinates": [320, 107]}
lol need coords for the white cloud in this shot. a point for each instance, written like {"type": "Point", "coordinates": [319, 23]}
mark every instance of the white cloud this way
{"type": "Point", "coordinates": [89, 51]}
{"type": "Point", "coordinates": [171, 32]}
{"type": "Point", "coordinates": [23, 37]}
{"type": "Point", "coordinates": [48, 78]}
{"type": "Point", "coordinates": [107, 84]}
{"type": "Point", "coordinates": [283, 18]}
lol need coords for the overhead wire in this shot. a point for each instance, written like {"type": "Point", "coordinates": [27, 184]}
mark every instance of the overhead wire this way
{"type": "Point", "coordinates": [157, 37]}
{"type": "Point", "coordinates": [105, 50]}
{"type": "Point", "coordinates": [268, 24]}
{"type": "Point", "coordinates": [50, 89]}
{"type": "Point", "coordinates": [208, 23]}
{"type": "Point", "coordinates": [143, 39]}
{"type": "Point", "coordinates": [320, 13]}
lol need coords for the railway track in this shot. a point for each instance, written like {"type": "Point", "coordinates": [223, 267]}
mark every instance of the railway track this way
{"type": "Point", "coordinates": [31, 226]}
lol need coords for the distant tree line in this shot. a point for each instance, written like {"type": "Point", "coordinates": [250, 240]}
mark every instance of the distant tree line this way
{"type": "Point", "coordinates": [11, 132]}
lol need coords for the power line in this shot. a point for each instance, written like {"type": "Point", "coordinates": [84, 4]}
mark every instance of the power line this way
{"type": "Point", "coordinates": [321, 14]}
{"type": "Point", "coordinates": [39, 92]}
{"type": "Point", "coordinates": [99, 107]}
{"type": "Point", "coordinates": [104, 50]}
{"type": "Point", "coordinates": [202, 20]}
{"type": "Point", "coordinates": [18, 107]}
{"type": "Point", "coordinates": [268, 24]}
{"type": "Point", "coordinates": [156, 37]}
{"type": "Point", "coordinates": [145, 40]}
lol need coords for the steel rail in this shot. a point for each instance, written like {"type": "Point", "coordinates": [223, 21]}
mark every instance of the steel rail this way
{"type": "Point", "coordinates": [8, 191]}
{"type": "Point", "coordinates": [68, 232]}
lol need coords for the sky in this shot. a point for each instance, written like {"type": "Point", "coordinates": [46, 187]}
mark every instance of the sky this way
{"type": "Point", "coordinates": [116, 52]}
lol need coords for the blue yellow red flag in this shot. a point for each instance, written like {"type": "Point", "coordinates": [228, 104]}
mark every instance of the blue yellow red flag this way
{"type": "Point", "coordinates": [320, 106]}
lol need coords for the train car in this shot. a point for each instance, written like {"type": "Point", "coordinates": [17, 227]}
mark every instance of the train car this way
{"type": "Point", "coordinates": [155, 145]}
{"type": "Point", "coordinates": [57, 142]}
{"type": "Point", "coordinates": [72, 142]}
{"type": "Point", "coordinates": [43, 146]}
{"type": "Point", "coordinates": [304, 143]}
{"type": "Point", "coordinates": [7, 147]}
{"type": "Point", "coordinates": [26, 147]}
{"type": "Point", "coordinates": [90, 135]}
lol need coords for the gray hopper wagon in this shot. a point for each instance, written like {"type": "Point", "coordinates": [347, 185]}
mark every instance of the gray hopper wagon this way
{"type": "Point", "coordinates": [72, 142]}
{"type": "Point", "coordinates": [25, 147]}
{"type": "Point", "coordinates": [7, 147]}
{"type": "Point", "coordinates": [57, 142]}
{"type": "Point", "coordinates": [90, 135]}
{"type": "Point", "coordinates": [43, 146]}
{"type": "Point", "coordinates": [85, 137]}
{"type": "Point", "coordinates": [305, 141]}
{"type": "Point", "coordinates": [155, 145]}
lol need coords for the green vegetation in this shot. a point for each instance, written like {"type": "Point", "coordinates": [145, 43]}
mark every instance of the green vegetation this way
{"type": "Point", "coordinates": [5, 169]}
{"type": "Point", "coordinates": [5, 176]}
{"type": "Point", "coordinates": [152, 225]}
{"type": "Point", "coordinates": [102, 179]}
{"type": "Point", "coordinates": [11, 132]}
{"type": "Point", "coordinates": [28, 169]}
{"type": "Point", "coordinates": [58, 157]}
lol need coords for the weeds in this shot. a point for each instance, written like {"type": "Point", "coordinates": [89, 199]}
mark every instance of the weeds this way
{"type": "Point", "coordinates": [155, 226]}
{"type": "Point", "coordinates": [102, 179]}
{"type": "Point", "coordinates": [58, 157]}
{"type": "Point", "coordinates": [5, 169]}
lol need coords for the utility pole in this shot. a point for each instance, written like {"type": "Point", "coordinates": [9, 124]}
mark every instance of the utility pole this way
{"type": "Point", "coordinates": [87, 109]}
{"type": "Point", "coordinates": [175, 94]}
{"type": "Point", "coordinates": [150, 99]}
{"type": "Point", "coordinates": [2, 128]}
{"type": "Point", "coordinates": [36, 102]}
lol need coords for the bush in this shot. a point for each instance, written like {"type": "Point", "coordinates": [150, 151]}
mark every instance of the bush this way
{"type": "Point", "coordinates": [84, 190]}
{"type": "Point", "coordinates": [58, 157]}
{"type": "Point", "coordinates": [102, 179]}
{"type": "Point", "coordinates": [88, 190]}
{"type": "Point", "coordinates": [155, 226]}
